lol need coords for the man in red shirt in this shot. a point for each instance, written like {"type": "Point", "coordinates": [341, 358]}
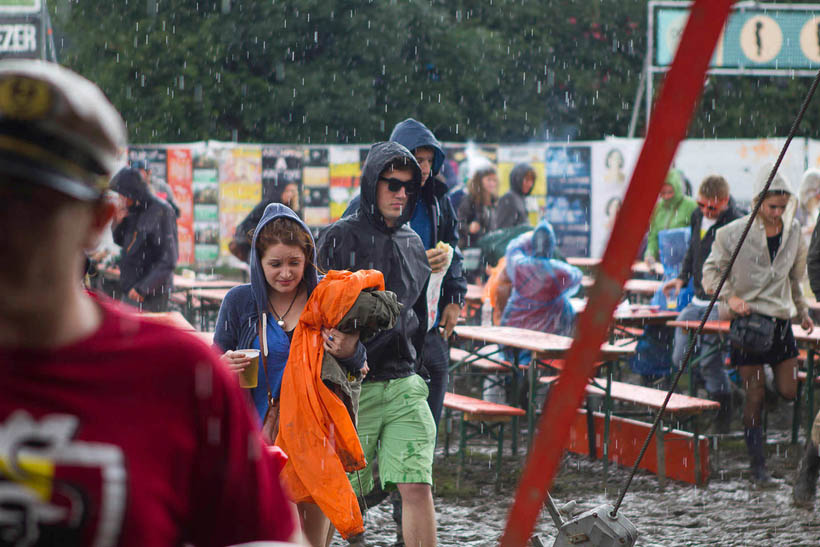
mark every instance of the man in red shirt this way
{"type": "Point", "coordinates": [113, 430]}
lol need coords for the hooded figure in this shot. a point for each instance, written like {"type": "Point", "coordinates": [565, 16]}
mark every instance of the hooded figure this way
{"type": "Point", "coordinates": [363, 240]}
{"type": "Point", "coordinates": [541, 285]}
{"type": "Point", "coordinates": [245, 306]}
{"type": "Point", "coordinates": [675, 212]}
{"type": "Point", "coordinates": [439, 222]}
{"type": "Point", "coordinates": [770, 287]}
{"type": "Point", "coordinates": [512, 208]}
{"type": "Point", "coordinates": [148, 237]}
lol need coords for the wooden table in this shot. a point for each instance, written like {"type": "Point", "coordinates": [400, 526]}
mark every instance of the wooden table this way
{"type": "Point", "coordinates": [168, 318]}
{"type": "Point", "coordinates": [543, 346]}
{"type": "Point", "coordinates": [811, 341]}
{"type": "Point", "coordinates": [590, 264]}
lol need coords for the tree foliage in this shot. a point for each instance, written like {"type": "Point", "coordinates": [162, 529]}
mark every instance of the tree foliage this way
{"type": "Point", "coordinates": [338, 71]}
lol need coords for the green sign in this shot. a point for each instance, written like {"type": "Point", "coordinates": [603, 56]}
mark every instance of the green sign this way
{"type": "Point", "coordinates": [757, 37]}
{"type": "Point", "coordinates": [20, 6]}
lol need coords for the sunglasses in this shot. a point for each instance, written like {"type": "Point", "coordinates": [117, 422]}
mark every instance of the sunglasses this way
{"type": "Point", "coordinates": [710, 208]}
{"type": "Point", "coordinates": [394, 185]}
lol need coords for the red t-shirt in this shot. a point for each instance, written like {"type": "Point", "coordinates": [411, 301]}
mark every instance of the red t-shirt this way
{"type": "Point", "coordinates": [135, 436]}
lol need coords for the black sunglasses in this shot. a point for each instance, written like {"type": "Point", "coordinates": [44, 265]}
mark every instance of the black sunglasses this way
{"type": "Point", "coordinates": [394, 185]}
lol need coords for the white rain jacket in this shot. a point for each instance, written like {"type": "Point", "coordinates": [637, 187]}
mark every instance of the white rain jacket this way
{"type": "Point", "coordinates": [770, 288]}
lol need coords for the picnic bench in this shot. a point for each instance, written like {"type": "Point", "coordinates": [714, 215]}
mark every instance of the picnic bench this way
{"type": "Point", "coordinates": [478, 417]}
{"type": "Point", "coordinates": [543, 346]}
{"type": "Point", "coordinates": [679, 406]}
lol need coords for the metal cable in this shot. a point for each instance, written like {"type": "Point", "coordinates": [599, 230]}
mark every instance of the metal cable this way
{"type": "Point", "coordinates": [690, 348]}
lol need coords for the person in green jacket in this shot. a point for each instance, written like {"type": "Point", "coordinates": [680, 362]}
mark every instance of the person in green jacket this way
{"type": "Point", "coordinates": [674, 210]}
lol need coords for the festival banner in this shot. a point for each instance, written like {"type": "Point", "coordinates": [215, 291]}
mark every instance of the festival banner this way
{"type": "Point", "coordinates": [345, 170]}
{"type": "Point", "coordinates": [206, 208]}
{"type": "Point", "coordinates": [282, 175]}
{"type": "Point", "coordinates": [316, 183]}
{"type": "Point", "coordinates": [180, 179]}
{"type": "Point", "coordinates": [240, 189]}
{"type": "Point", "coordinates": [568, 199]}
{"type": "Point", "coordinates": [612, 164]}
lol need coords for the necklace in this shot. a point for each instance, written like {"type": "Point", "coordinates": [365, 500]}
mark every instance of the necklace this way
{"type": "Point", "coordinates": [280, 319]}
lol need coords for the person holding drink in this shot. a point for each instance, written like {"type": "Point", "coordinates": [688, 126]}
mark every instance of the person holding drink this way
{"type": "Point", "coordinates": [256, 323]}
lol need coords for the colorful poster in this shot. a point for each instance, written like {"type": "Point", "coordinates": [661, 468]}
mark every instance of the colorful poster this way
{"type": "Point", "coordinates": [282, 175]}
{"type": "Point", "coordinates": [180, 179]}
{"type": "Point", "coordinates": [240, 189]}
{"type": "Point", "coordinates": [156, 158]}
{"type": "Point", "coordinates": [612, 164]}
{"type": "Point", "coordinates": [345, 170]}
{"type": "Point", "coordinates": [508, 158]}
{"type": "Point", "coordinates": [206, 209]}
{"type": "Point", "coordinates": [316, 183]}
{"type": "Point", "coordinates": [568, 200]}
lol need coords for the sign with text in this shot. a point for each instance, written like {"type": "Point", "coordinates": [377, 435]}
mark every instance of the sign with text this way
{"type": "Point", "coordinates": [20, 37]}
{"type": "Point", "coordinates": [756, 36]}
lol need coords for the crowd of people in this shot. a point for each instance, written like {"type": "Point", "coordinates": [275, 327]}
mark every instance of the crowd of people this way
{"type": "Point", "coordinates": [332, 365]}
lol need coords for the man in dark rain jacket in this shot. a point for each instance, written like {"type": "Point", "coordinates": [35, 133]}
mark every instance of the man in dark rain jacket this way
{"type": "Point", "coordinates": [512, 207]}
{"type": "Point", "coordinates": [395, 422]}
{"type": "Point", "coordinates": [148, 237]}
{"type": "Point", "coordinates": [433, 220]}
{"type": "Point", "coordinates": [716, 208]}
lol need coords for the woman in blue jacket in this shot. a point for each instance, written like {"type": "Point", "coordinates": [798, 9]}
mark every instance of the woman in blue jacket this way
{"type": "Point", "coordinates": [283, 275]}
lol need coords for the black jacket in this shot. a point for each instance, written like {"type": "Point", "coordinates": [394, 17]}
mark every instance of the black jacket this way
{"type": "Point", "coordinates": [813, 261]}
{"type": "Point", "coordinates": [512, 208]}
{"type": "Point", "coordinates": [148, 237]}
{"type": "Point", "coordinates": [699, 249]}
{"type": "Point", "coordinates": [363, 241]}
{"type": "Point", "coordinates": [413, 134]}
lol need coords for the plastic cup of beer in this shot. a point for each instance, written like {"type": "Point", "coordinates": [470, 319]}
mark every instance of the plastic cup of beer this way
{"type": "Point", "coordinates": [249, 377]}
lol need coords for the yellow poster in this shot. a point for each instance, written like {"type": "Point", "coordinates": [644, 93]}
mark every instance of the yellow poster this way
{"type": "Point", "coordinates": [240, 189]}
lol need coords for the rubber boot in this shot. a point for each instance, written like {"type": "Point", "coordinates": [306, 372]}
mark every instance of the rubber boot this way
{"type": "Point", "coordinates": [723, 420]}
{"type": "Point", "coordinates": [805, 485]}
{"type": "Point", "coordinates": [755, 443]}
{"type": "Point", "coordinates": [395, 499]}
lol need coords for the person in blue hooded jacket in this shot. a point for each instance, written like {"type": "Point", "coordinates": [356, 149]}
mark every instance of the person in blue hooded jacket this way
{"type": "Point", "coordinates": [283, 275]}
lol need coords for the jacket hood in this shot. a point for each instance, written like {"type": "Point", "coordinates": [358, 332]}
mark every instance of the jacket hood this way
{"type": "Point", "coordinates": [779, 184]}
{"type": "Point", "coordinates": [675, 180]}
{"type": "Point", "coordinates": [543, 240]}
{"type": "Point", "coordinates": [517, 178]}
{"type": "Point", "coordinates": [809, 186]}
{"type": "Point", "coordinates": [128, 182]}
{"type": "Point", "coordinates": [413, 134]}
{"type": "Point", "coordinates": [378, 158]}
{"type": "Point", "coordinates": [258, 283]}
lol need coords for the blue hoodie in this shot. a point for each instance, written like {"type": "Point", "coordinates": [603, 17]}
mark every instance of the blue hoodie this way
{"type": "Point", "coordinates": [245, 305]}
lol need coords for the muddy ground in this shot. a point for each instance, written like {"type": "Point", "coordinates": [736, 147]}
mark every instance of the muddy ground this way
{"type": "Point", "coordinates": [726, 512]}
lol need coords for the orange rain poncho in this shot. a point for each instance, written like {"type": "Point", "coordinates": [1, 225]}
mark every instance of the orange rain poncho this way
{"type": "Point", "coordinates": [315, 429]}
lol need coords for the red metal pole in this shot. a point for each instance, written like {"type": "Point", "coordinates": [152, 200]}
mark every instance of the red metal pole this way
{"type": "Point", "coordinates": [671, 116]}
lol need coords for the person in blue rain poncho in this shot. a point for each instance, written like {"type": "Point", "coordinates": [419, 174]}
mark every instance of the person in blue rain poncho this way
{"type": "Point", "coordinates": [541, 285]}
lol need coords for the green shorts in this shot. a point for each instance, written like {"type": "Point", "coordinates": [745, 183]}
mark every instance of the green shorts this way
{"type": "Point", "coordinates": [395, 426]}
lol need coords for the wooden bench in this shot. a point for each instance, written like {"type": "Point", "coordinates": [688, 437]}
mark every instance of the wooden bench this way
{"type": "Point", "coordinates": [477, 418]}
{"type": "Point", "coordinates": [802, 376]}
{"type": "Point", "coordinates": [484, 364]}
{"type": "Point", "coordinates": [679, 406]}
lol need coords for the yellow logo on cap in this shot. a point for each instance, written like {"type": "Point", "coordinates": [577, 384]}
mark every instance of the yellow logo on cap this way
{"type": "Point", "coordinates": [24, 98]}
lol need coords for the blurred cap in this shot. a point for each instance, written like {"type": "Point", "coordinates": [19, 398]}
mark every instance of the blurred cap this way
{"type": "Point", "coordinates": [57, 129]}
